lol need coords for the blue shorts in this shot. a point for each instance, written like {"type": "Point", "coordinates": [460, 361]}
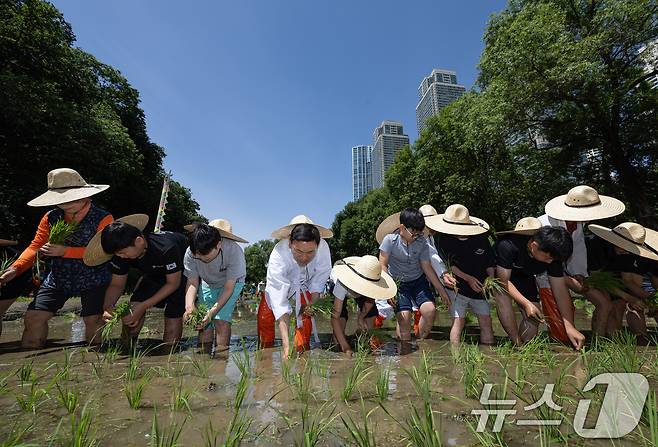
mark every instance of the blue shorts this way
{"type": "Point", "coordinates": [208, 296]}
{"type": "Point", "coordinates": [413, 293]}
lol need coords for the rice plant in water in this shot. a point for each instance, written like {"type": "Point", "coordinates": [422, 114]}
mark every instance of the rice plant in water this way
{"type": "Point", "coordinates": [180, 397]}
{"type": "Point", "coordinates": [200, 365]}
{"type": "Point", "coordinates": [420, 429]}
{"type": "Point", "coordinates": [383, 383]}
{"type": "Point", "coordinates": [61, 232]}
{"type": "Point", "coordinates": [15, 436]}
{"type": "Point", "coordinates": [82, 431]}
{"type": "Point", "coordinates": [26, 373]}
{"type": "Point", "coordinates": [357, 374]}
{"type": "Point", "coordinates": [68, 398]}
{"type": "Point", "coordinates": [650, 418]}
{"type": "Point", "coordinates": [121, 310]}
{"type": "Point", "coordinates": [29, 402]}
{"type": "Point", "coordinates": [363, 434]}
{"type": "Point", "coordinates": [474, 372]}
{"type": "Point", "coordinates": [314, 423]}
{"type": "Point", "coordinates": [134, 390]}
{"type": "Point", "coordinates": [241, 422]}
{"type": "Point", "coordinates": [167, 436]}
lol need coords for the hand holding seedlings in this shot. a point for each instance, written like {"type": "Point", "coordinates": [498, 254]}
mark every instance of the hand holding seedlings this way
{"type": "Point", "coordinates": [132, 320]}
{"type": "Point", "coordinates": [473, 283]}
{"type": "Point", "coordinates": [113, 318]}
{"type": "Point", "coordinates": [52, 250]}
{"type": "Point", "coordinates": [196, 317]}
{"type": "Point", "coordinates": [449, 279]}
{"type": "Point", "coordinates": [533, 313]}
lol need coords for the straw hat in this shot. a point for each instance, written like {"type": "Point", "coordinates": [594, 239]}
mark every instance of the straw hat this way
{"type": "Point", "coordinates": [526, 226]}
{"type": "Point", "coordinates": [364, 275]}
{"type": "Point", "coordinates": [428, 210]}
{"type": "Point", "coordinates": [284, 232]}
{"type": "Point", "coordinates": [632, 237]}
{"type": "Point", "coordinates": [94, 253]}
{"type": "Point", "coordinates": [582, 203]}
{"type": "Point", "coordinates": [388, 226]}
{"type": "Point", "coordinates": [457, 221]}
{"type": "Point", "coordinates": [7, 243]}
{"type": "Point", "coordinates": [225, 229]}
{"type": "Point", "coordinates": [65, 185]}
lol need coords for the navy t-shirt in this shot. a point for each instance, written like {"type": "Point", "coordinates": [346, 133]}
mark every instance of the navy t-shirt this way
{"type": "Point", "coordinates": [164, 255]}
{"type": "Point", "coordinates": [472, 255]}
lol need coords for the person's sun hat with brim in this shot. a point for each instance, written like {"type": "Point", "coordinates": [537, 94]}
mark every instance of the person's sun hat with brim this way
{"type": "Point", "coordinates": [94, 253]}
{"type": "Point", "coordinates": [7, 243]}
{"type": "Point", "coordinates": [630, 236]}
{"type": "Point", "coordinates": [427, 211]}
{"type": "Point", "coordinates": [526, 226]}
{"type": "Point", "coordinates": [388, 226]}
{"type": "Point", "coordinates": [364, 275]}
{"type": "Point", "coordinates": [284, 232]}
{"type": "Point", "coordinates": [225, 229]}
{"type": "Point", "coordinates": [583, 203]}
{"type": "Point", "coordinates": [457, 221]}
{"type": "Point", "coordinates": [66, 185]}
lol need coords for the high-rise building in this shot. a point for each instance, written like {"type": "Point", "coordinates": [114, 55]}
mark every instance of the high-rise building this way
{"type": "Point", "coordinates": [388, 139]}
{"type": "Point", "coordinates": [361, 171]}
{"type": "Point", "coordinates": [436, 91]}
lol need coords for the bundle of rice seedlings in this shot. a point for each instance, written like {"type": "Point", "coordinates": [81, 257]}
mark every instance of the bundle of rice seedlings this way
{"type": "Point", "coordinates": [61, 231]}
{"type": "Point", "coordinates": [324, 306]}
{"type": "Point", "coordinates": [491, 287]}
{"type": "Point", "coordinates": [120, 311]}
{"type": "Point", "coordinates": [197, 316]}
{"type": "Point", "coordinates": [606, 281]}
{"type": "Point", "coordinates": [6, 261]}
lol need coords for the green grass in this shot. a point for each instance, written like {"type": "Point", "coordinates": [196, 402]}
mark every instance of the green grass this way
{"type": "Point", "coordinates": [15, 436]}
{"type": "Point", "coordinates": [200, 365]}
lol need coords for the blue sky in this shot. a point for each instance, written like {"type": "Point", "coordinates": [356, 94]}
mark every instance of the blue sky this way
{"type": "Point", "coordinates": [258, 103]}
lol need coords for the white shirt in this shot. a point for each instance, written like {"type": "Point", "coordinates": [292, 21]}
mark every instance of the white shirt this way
{"type": "Point", "coordinates": [437, 263]}
{"type": "Point", "coordinates": [285, 278]}
{"type": "Point", "coordinates": [577, 263]}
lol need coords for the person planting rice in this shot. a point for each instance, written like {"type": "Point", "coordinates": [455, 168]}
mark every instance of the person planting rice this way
{"type": "Point", "coordinates": [62, 235]}
{"type": "Point", "coordinates": [158, 256]}
{"type": "Point", "coordinates": [404, 254]}
{"type": "Point", "coordinates": [362, 279]}
{"type": "Point", "coordinates": [21, 285]}
{"type": "Point", "coordinates": [571, 211]}
{"type": "Point", "coordinates": [463, 239]}
{"type": "Point", "coordinates": [215, 268]}
{"type": "Point", "coordinates": [528, 250]}
{"type": "Point", "coordinates": [634, 248]}
{"type": "Point", "coordinates": [298, 269]}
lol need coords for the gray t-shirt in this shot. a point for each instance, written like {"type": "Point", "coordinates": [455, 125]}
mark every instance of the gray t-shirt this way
{"type": "Point", "coordinates": [229, 264]}
{"type": "Point", "coordinates": [404, 260]}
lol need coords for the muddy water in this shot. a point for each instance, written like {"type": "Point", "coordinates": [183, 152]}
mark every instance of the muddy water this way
{"type": "Point", "coordinates": [282, 397]}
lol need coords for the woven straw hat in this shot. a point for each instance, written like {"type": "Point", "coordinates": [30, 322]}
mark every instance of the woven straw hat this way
{"type": "Point", "coordinates": [225, 229]}
{"type": "Point", "coordinates": [457, 221]}
{"type": "Point", "coordinates": [66, 185]}
{"type": "Point", "coordinates": [94, 253]}
{"type": "Point", "coordinates": [364, 275]}
{"type": "Point", "coordinates": [582, 203]}
{"type": "Point", "coordinates": [526, 226]}
{"type": "Point", "coordinates": [632, 237]}
{"type": "Point", "coordinates": [284, 232]}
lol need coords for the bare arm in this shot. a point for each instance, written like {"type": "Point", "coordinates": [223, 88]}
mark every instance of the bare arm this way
{"type": "Point", "coordinates": [114, 291]}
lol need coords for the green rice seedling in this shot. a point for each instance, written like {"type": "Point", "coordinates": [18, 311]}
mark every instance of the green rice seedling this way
{"type": "Point", "coordinates": [61, 232]}
{"type": "Point", "coordinates": [243, 361]}
{"type": "Point", "coordinates": [6, 261]}
{"type": "Point", "coordinates": [15, 436]}
{"type": "Point", "coordinates": [606, 281]}
{"type": "Point", "coordinates": [200, 365]}
{"type": "Point", "coordinates": [362, 434]}
{"type": "Point", "coordinates": [486, 438]}
{"type": "Point", "coordinates": [168, 436]}
{"type": "Point", "coordinates": [241, 422]}
{"type": "Point", "coordinates": [301, 384]}
{"type": "Point", "coordinates": [121, 310]}
{"type": "Point", "coordinates": [32, 400]}
{"type": "Point", "coordinates": [492, 287]}
{"type": "Point", "coordinates": [68, 399]}
{"type": "Point", "coordinates": [134, 390]}
{"type": "Point", "coordinates": [210, 435]}
{"type": "Point", "coordinates": [474, 371]}
{"type": "Point", "coordinates": [314, 423]}
{"type": "Point", "coordinates": [650, 418]}
{"type": "Point", "coordinates": [180, 398]}
{"type": "Point", "coordinates": [383, 383]}
{"type": "Point", "coordinates": [197, 316]}
{"type": "Point", "coordinates": [420, 429]}
{"type": "Point", "coordinates": [26, 373]}
{"type": "Point", "coordinates": [323, 307]}
{"type": "Point", "coordinates": [82, 431]}
{"type": "Point", "coordinates": [355, 377]}
{"type": "Point", "coordinates": [112, 352]}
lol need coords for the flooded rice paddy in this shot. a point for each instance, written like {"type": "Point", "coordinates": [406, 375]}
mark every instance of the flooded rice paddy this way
{"type": "Point", "coordinates": [419, 394]}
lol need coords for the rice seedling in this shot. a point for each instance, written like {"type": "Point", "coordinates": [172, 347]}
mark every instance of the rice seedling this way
{"type": "Point", "coordinates": [5, 262]}
{"type": "Point", "coordinates": [180, 397]}
{"type": "Point", "coordinates": [314, 423]}
{"type": "Point", "coordinates": [420, 429]}
{"type": "Point", "coordinates": [606, 281]}
{"type": "Point", "coordinates": [242, 361]}
{"type": "Point", "coordinates": [355, 377]}
{"type": "Point", "coordinates": [301, 384]}
{"type": "Point", "coordinates": [383, 383]}
{"type": "Point", "coordinates": [650, 418]}
{"type": "Point", "coordinates": [492, 287]}
{"type": "Point", "coordinates": [616, 354]}
{"type": "Point", "coordinates": [167, 436]}
{"type": "Point", "coordinates": [61, 232]}
{"type": "Point", "coordinates": [82, 431]}
{"type": "Point", "coordinates": [121, 310]}
{"type": "Point", "coordinates": [26, 373]}
{"type": "Point", "coordinates": [200, 365]}
{"type": "Point", "coordinates": [15, 436]}
{"type": "Point", "coordinates": [323, 306]}
{"type": "Point", "coordinates": [134, 390]}
{"type": "Point", "coordinates": [111, 354]}
{"type": "Point", "coordinates": [286, 368]}
{"type": "Point", "coordinates": [362, 434]}
{"type": "Point", "coordinates": [197, 316]}
{"type": "Point", "coordinates": [492, 438]}
{"type": "Point", "coordinates": [241, 422]}
{"type": "Point", "coordinates": [474, 372]}
{"type": "Point", "coordinates": [68, 399]}
{"type": "Point", "coordinates": [32, 400]}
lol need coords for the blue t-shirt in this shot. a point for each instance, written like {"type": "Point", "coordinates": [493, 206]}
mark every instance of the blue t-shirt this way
{"type": "Point", "coordinates": [404, 260]}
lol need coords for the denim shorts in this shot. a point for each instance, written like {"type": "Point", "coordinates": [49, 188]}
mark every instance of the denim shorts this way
{"type": "Point", "coordinates": [413, 293]}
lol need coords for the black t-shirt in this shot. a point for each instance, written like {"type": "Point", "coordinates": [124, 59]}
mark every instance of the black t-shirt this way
{"type": "Point", "coordinates": [512, 253]}
{"type": "Point", "coordinates": [627, 263]}
{"type": "Point", "coordinates": [163, 256]}
{"type": "Point", "coordinates": [473, 256]}
{"type": "Point", "coordinates": [599, 253]}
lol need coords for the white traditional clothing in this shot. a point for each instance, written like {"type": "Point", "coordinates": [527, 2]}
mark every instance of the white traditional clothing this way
{"type": "Point", "coordinates": [286, 279]}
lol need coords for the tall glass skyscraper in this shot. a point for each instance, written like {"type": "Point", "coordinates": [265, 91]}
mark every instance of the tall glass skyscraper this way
{"type": "Point", "coordinates": [436, 91]}
{"type": "Point", "coordinates": [361, 171]}
{"type": "Point", "coordinates": [388, 138]}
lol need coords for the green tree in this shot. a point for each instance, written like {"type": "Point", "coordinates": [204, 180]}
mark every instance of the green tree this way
{"type": "Point", "coordinates": [256, 256]}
